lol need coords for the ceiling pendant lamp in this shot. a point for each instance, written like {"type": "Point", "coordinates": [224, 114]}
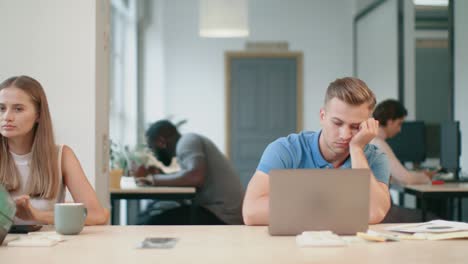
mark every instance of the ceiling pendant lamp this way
{"type": "Point", "coordinates": [223, 18]}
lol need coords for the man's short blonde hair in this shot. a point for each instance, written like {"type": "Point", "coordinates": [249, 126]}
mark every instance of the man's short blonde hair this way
{"type": "Point", "coordinates": [352, 91]}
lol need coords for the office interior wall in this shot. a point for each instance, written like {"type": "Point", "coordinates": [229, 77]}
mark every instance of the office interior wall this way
{"type": "Point", "coordinates": [62, 44]}
{"type": "Point", "coordinates": [192, 76]}
{"type": "Point", "coordinates": [461, 76]}
{"type": "Point", "coordinates": [409, 59]}
{"type": "Point", "coordinates": [377, 50]}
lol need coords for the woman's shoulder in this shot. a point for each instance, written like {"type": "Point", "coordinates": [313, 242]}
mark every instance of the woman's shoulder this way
{"type": "Point", "coordinates": [65, 151]}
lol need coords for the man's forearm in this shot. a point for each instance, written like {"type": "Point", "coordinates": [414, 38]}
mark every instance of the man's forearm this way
{"type": "Point", "coordinates": [358, 159]}
{"type": "Point", "coordinates": [180, 178]}
{"type": "Point", "coordinates": [172, 179]}
{"type": "Point", "coordinates": [256, 207]}
{"type": "Point", "coordinates": [379, 203]}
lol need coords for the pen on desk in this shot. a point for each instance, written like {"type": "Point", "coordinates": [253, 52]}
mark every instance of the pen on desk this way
{"type": "Point", "coordinates": [377, 236]}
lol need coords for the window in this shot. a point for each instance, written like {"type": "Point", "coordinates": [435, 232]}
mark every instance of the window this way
{"type": "Point", "coordinates": [123, 72]}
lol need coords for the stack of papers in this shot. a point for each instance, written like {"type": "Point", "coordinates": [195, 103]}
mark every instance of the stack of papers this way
{"type": "Point", "coordinates": [436, 226]}
{"type": "Point", "coordinates": [433, 230]}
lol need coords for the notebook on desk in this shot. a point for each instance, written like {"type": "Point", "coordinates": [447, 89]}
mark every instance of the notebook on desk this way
{"type": "Point", "coordinates": [319, 199]}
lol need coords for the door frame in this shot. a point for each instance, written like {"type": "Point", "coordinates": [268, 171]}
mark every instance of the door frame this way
{"type": "Point", "coordinates": [229, 55]}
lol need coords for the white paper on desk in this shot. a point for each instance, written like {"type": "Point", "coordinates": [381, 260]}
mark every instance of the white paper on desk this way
{"type": "Point", "coordinates": [9, 238]}
{"type": "Point", "coordinates": [127, 182]}
{"type": "Point", "coordinates": [435, 226]}
{"type": "Point", "coordinates": [319, 239]}
{"type": "Point", "coordinates": [32, 241]}
{"type": "Point", "coordinates": [52, 235]}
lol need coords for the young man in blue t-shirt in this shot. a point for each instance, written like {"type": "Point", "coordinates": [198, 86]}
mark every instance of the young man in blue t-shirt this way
{"type": "Point", "coordinates": [347, 128]}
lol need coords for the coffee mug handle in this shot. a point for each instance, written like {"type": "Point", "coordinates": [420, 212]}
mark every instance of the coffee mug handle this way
{"type": "Point", "coordinates": [85, 212]}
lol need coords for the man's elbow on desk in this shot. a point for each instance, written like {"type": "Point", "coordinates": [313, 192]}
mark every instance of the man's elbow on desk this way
{"type": "Point", "coordinates": [254, 219]}
{"type": "Point", "coordinates": [376, 215]}
{"type": "Point", "coordinates": [253, 215]}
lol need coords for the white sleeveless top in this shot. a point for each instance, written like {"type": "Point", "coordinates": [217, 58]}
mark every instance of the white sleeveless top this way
{"type": "Point", "coordinates": [22, 163]}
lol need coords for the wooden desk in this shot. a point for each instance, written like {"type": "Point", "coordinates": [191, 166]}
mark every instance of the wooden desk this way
{"type": "Point", "coordinates": [138, 193]}
{"type": "Point", "coordinates": [446, 190]}
{"type": "Point", "coordinates": [226, 244]}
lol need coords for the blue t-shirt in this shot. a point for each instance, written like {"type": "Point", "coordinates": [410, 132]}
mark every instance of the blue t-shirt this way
{"type": "Point", "coordinates": [301, 151]}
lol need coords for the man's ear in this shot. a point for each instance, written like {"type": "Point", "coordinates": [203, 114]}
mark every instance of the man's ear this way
{"type": "Point", "coordinates": [322, 114]}
{"type": "Point", "coordinates": [390, 122]}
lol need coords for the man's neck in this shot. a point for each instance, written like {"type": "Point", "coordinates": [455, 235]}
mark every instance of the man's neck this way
{"type": "Point", "coordinates": [336, 159]}
{"type": "Point", "coordinates": [382, 134]}
{"type": "Point", "coordinates": [340, 161]}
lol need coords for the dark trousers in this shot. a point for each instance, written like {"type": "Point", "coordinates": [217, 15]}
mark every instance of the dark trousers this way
{"type": "Point", "coordinates": [398, 214]}
{"type": "Point", "coordinates": [181, 216]}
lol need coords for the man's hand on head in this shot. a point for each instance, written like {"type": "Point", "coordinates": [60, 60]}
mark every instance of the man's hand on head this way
{"type": "Point", "coordinates": [368, 130]}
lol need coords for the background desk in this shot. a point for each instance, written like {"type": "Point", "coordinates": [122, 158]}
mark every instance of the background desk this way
{"type": "Point", "coordinates": [138, 193]}
{"type": "Point", "coordinates": [226, 244]}
{"type": "Point", "coordinates": [449, 191]}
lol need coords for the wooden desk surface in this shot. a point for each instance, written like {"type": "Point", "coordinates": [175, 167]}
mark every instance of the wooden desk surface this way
{"type": "Point", "coordinates": [226, 244]}
{"type": "Point", "coordinates": [446, 187]}
{"type": "Point", "coordinates": [153, 190]}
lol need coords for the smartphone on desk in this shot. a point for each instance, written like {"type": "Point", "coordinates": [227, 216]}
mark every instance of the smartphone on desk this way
{"type": "Point", "coordinates": [24, 229]}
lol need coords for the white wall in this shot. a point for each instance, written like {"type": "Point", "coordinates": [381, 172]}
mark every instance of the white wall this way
{"type": "Point", "coordinates": [461, 75]}
{"type": "Point", "coordinates": [193, 76]}
{"type": "Point", "coordinates": [409, 61]}
{"type": "Point", "coordinates": [377, 50]}
{"type": "Point", "coordinates": [61, 43]}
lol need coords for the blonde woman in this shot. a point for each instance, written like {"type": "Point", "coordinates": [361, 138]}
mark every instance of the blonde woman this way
{"type": "Point", "coordinates": [33, 168]}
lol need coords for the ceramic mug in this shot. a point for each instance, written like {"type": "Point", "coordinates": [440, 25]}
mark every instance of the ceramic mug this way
{"type": "Point", "coordinates": [69, 218]}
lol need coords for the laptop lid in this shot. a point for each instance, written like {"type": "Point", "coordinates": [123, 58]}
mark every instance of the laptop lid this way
{"type": "Point", "coordinates": [319, 199]}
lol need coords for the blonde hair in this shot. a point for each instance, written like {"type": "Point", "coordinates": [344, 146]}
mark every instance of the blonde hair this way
{"type": "Point", "coordinates": [44, 175]}
{"type": "Point", "coordinates": [352, 91]}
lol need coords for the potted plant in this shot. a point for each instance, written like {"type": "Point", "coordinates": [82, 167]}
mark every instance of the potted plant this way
{"type": "Point", "coordinates": [124, 160]}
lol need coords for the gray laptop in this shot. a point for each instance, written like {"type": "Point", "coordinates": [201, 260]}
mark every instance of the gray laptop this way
{"type": "Point", "coordinates": [319, 199]}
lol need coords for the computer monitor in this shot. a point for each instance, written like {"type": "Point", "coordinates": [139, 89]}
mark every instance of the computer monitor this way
{"type": "Point", "coordinates": [432, 140]}
{"type": "Point", "coordinates": [450, 146]}
{"type": "Point", "coordinates": [410, 144]}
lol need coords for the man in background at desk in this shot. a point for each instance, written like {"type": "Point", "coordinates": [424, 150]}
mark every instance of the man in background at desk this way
{"type": "Point", "coordinates": [219, 191]}
{"type": "Point", "coordinates": [347, 128]}
{"type": "Point", "coordinates": [391, 114]}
